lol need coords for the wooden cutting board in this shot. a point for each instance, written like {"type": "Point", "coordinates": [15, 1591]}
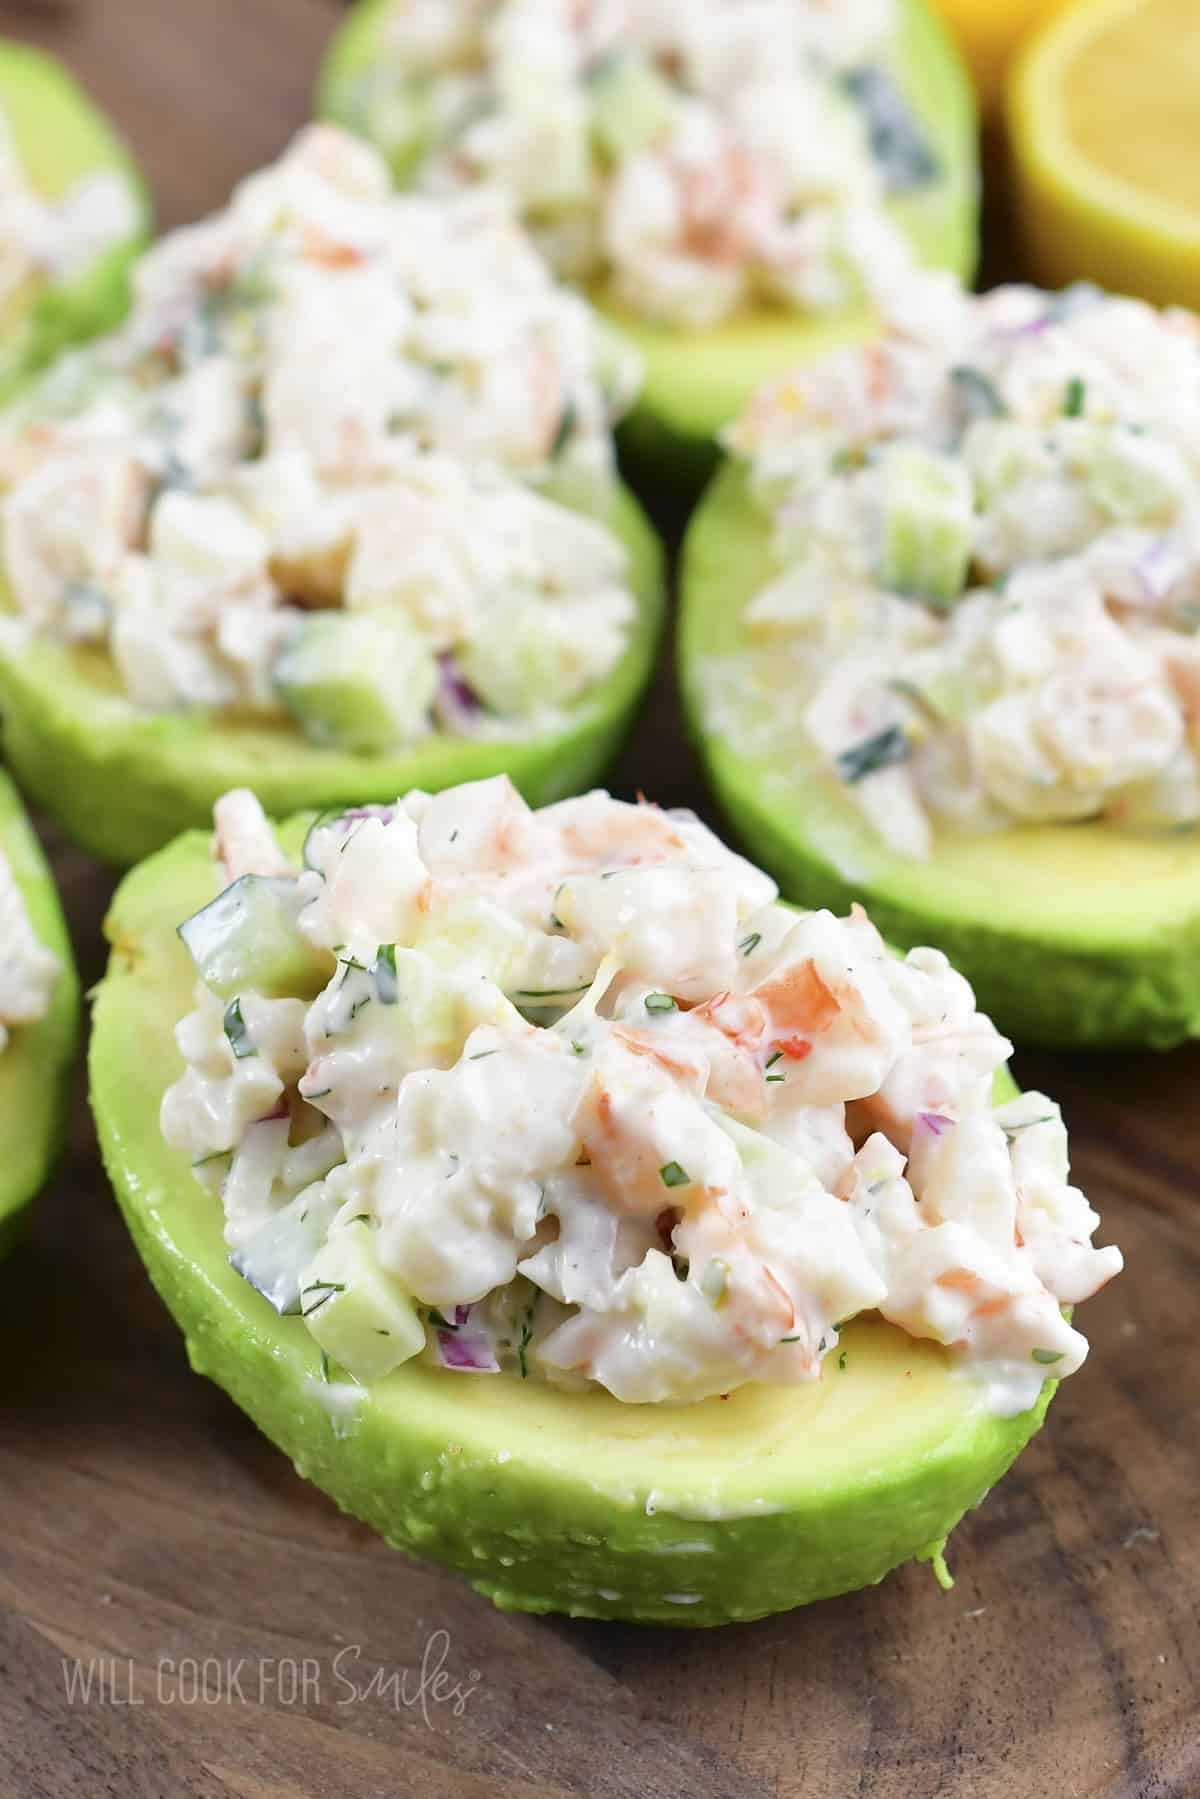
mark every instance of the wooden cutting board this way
{"type": "Point", "coordinates": [241, 1637]}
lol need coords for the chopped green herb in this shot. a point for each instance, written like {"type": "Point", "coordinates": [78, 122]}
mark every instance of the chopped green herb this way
{"type": "Point", "coordinates": [579, 1048]}
{"type": "Point", "coordinates": [795, 1339]}
{"type": "Point", "coordinates": [326, 1289]}
{"type": "Point", "coordinates": [550, 992]}
{"type": "Point", "coordinates": [527, 1334]}
{"type": "Point", "coordinates": [749, 944]}
{"type": "Point", "coordinates": [1075, 398]}
{"type": "Point", "coordinates": [884, 750]}
{"type": "Point", "coordinates": [660, 1002]}
{"type": "Point", "coordinates": [978, 394]}
{"type": "Point", "coordinates": [842, 1362]}
{"type": "Point", "coordinates": [565, 432]}
{"type": "Point", "coordinates": [384, 975]}
{"type": "Point", "coordinates": [240, 1041]}
{"type": "Point", "coordinates": [672, 1175]}
{"type": "Point", "coordinates": [1047, 1357]}
{"type": "Point", "coordinates": [775, 1077]}
{"type": "Point", "coordinates": [478, 1055]}
{"type": "Point", "coordinates": [777, 1057]}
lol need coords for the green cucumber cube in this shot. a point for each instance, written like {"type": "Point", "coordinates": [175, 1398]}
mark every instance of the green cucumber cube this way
{"type": "Point", "coordinates": [359, 1314]}
{"type": "Point", "coordinates": [928, 518]}
{"type": "Point", "coordinates": [631, 105]}
{"type": "Point", "coordinates": [358, 680]}
{"type": "Point", "coordinates": [248, 940]}
{"type": "Point", "coordinates": [275, 1259]}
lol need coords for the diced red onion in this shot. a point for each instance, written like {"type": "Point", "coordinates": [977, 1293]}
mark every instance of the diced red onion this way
{"type": "Point", "coordinates": [931, 1124]}
{"type": "Point", "coordinates": [456, 697]}
{"type": "Point", "coordinates": [465, 1351]}
{"type": "Point", "coordinates": [1158, 568]}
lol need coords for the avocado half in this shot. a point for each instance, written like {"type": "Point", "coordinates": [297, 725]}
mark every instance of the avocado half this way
{"type": "Point", "coordinates": [696, 381]}
{"type": "Point", "coordinates": [35, 1063]}
{"type": "Point", "coordinates": [60, 137]}
{"type": "Point", "coordinates": [1070, 934]}
{"type": "Point", "coordinates": [546, 1501]}
{"type": "Point", "coordinates": [122, 781]}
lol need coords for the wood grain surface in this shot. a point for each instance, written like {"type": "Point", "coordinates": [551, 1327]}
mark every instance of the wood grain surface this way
{"type": "Point", "coordinates": [243, 1638]}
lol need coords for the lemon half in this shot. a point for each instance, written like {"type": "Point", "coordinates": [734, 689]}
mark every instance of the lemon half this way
{"type": "Point", "coordinates": [1104, 116]}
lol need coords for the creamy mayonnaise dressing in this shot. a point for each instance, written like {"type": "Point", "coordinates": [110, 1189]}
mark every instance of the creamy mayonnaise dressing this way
{"type": "Point", "coordinates": [28, 970]}
{"type": "Point", "coordinates": [603, 1110]}
{"type": "Point", "coordinates": [694, 158]}
{"type": "Point", "coordinates": [54, 240]}
{"type": "Point", "coordinates": [986, 536]}
{"type": "Point", "coordinates": [307, 466]}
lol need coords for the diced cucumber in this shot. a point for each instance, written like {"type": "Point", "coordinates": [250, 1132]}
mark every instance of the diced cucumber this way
{"type": "Point", "coordinates": [247, 940]}
{"type": "Point", "coordinates": [898, 141]}
{"type": "Point", "coordinates": [356, 1310]}
{"type": "Point", "coordinates": [276, 1258]}
{"type": "Point", "coordinates": [360, 680]}
{"type": "Point", "coordinates": [631, 105]}
{"type": "Point", "coordinates": [397, 114]}
{"type": "Point", "coordinates": [517, 662]}
{"type": "Point", "coordinates": [928, 512]}
{"type": "Point", "coordinates": [1135, 477]}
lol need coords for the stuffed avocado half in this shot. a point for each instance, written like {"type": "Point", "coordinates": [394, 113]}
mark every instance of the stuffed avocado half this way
{"type": "Point", "coordinates": [733, 186]}
{"type": "Point", "coordinates": [39, 1015]}
{"type": "Point", "coordinates": [938, 643]}
{"type": "Point", "coordinates": [333, 514]}
{"type": "Point", "coordinates": [585, 1220]}
{"type": "Point", "coordinates": [75, 214]}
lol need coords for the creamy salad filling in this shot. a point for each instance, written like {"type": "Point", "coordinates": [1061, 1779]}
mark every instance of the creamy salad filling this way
{"type": "Point", "coordinates": [56, 240]}
{"type": "Point", "coordinates": [985, 609]}
{"type": "Point", "coordinates": [693, 159]}
{"type": "Point", "coordinates": [569, 1095]}
{"type": "Point", "coordinates": [311, 475]}
{"type": "Point", "coordinates": [28, 970]}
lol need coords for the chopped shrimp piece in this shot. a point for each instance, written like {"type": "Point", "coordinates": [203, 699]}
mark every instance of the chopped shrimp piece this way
{"type": "Point", "coordinates": [244, 842]}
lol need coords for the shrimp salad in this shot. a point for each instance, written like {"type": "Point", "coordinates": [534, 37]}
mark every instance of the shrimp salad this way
{"type": "Point", "coordinates": [693, 159]}
{"type": "Point", "coordinates": [985, 609]}
{"type": "Point", "coordinates": [52, 241]}
{"type": "Point", "coordinates": [310, 476]}
{"type": "Point", "coordinates": [569, 1095]}
{"type": "Point", "coordinates": [28, 970]}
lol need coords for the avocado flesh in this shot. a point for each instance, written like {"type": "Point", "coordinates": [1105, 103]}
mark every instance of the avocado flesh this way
{"type": "Point", "coordinates": [122, 781]}
{"type": "Point", "coordinates": [1070, 934]}
{"type": "Point", "coordinates": [696, 381]}
{"type": "Point", "coordinates": [546, 1501]}
{"type": "Point", "coordinates": [60, 137]}
{"type": "Point", "coordinates": [36, 1061]}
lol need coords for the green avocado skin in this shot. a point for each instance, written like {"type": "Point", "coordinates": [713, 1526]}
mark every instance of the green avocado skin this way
{"type": "Point", "coordinates": [695, 382]}
{"type": "Point", "coordinates": [527, 1492]}
{"type": "Point", "coordinates": [61, 136]}
{"type": "Point", "coordinates": [122, 782]}
{"type": "Point", "coordinates": [1125, 985]}
{"type": "Point", "coordinates": [36, 1062]}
